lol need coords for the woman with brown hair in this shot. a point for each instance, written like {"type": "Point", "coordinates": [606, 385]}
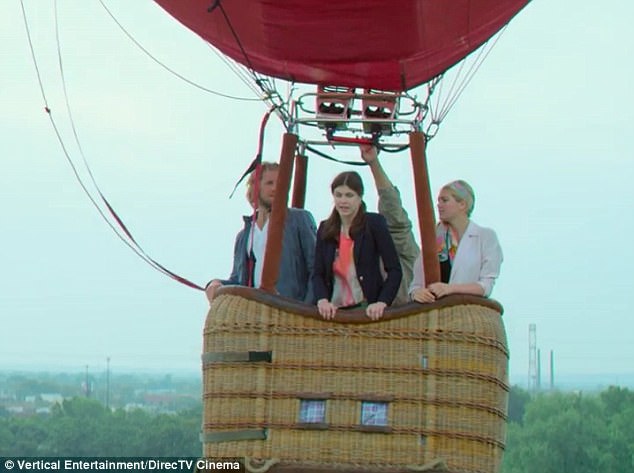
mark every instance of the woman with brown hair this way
{"type": "Point", "coordinates": [351, 244]}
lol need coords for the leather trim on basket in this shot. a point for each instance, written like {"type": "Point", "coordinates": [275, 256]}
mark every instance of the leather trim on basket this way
{"type": "Point", "coordinates": [356, 316]}
{"type": "Point", "coordinates": [298, 467]}
{"type": "Point", "coordinates": [232, 436]}
{"type": "Point", "coordinates": [237, 356]}
{"type": "Point", "coordinates": [381, 429]}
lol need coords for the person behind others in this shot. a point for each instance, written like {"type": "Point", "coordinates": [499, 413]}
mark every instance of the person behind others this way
{"type": "Point", "coordinates": [398, 222]}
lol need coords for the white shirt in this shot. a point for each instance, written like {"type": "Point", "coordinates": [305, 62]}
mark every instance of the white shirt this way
{"type": "Point", "coordinates": [478, 260]}
{"type": "Point", "coordinates": [259, 246]}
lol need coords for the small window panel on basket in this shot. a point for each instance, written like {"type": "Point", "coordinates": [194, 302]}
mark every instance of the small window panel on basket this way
{"type": "Point", "coordinates": [312, 411]}
{"type": "Point", "coordinates": [374, 413]}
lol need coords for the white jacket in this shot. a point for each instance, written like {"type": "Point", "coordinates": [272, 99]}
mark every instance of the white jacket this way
{"type": "Point", "coordinates": [478, 260]}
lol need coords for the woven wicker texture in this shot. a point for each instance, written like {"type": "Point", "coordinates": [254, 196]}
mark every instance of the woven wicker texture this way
{"type": "Point", "coordinates": [442, 373]}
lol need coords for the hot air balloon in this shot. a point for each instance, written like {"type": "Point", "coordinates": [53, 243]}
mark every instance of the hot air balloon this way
{"type": "Point", "coordinates": [423, 389]}
{"type": "Point", "coordinates": [395, 45]}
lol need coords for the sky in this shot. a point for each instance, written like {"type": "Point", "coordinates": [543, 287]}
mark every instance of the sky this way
{"type": "Point", "coordinates": [542, 133]}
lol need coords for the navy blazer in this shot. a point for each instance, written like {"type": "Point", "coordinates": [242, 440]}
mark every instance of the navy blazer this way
{"type": "Point", "coordinates": [371, 245]}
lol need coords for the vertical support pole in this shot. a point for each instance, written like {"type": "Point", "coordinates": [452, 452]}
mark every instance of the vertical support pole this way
{"type": "Point", "coordinates": [273, 252]}
{"type": "Point", "coordinates": [426, 219]}
{"type": "Point", "coordinates": [108, 383]}
{"type": "Point", "coordinates": [532, 358]}
{"type": "Point", "coordinates": [539, 370]}
{"type": "Point", "coordinates": [299, 181]}
{"type": "Point", "coordinates": [552, 370]}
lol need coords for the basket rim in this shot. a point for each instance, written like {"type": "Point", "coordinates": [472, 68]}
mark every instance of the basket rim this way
{"type": "Point", "coordinates": [356, 316]}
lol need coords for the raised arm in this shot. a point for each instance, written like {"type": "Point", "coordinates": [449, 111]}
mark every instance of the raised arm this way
{"type": "Point", "coordinates": [391, 263]}
{"type": "Point", "coordinates": [370, 155]}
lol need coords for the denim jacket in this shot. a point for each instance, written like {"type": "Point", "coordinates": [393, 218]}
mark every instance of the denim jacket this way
{"type": "Point", "coordinates": [296, 263]}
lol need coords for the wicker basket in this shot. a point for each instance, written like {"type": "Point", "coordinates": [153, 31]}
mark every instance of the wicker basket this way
{"type": "Point", "coordinates": [423, 389]}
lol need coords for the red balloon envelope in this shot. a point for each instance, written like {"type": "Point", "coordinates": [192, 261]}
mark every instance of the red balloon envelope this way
{"type": "Point", "coordinates": [381, 44]}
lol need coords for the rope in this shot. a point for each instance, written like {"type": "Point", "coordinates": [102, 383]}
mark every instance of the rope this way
{"type": "Point", "coordinates": [244, 77]}
{"type": "Point", "coordinates": [459, 83]}
{"type": "Point", "coordinates": [170, 70]}
{"type": "Point", "coordinates": [132, 244]}
{"type": "Point", "coordinates": [266, 465]}
{"type": "Point", "coordinates": [330, 158]}
{"type": "Point", "coordinates": [261, 82]}
{"type": "Point", "coordinates": [392, 149]}
{"type": "Point", "coordinates": [234, 33]}
{"type": "Point", "coordinates": [437, 465]}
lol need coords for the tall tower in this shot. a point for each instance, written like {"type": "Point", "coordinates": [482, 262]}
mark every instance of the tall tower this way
{"type": "Point", "coordinates": [552, 370]}
{"type": "Point", "coordinates": [539, 369]}
{"type": "Point", "coordinates": [108, 383]}
{"type": "Point", "coordinates": [532, 358]}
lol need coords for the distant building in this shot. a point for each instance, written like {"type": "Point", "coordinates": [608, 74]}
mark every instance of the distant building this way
{"type": "Point", "coordinates": [52, 398]}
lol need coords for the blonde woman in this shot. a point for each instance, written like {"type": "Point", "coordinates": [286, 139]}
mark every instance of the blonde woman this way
{"type": "Point", "coordinates": [470, 256]}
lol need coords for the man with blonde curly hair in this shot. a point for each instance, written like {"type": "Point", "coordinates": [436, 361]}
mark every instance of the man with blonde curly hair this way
{"type": "Point", "coordinates": [296, 264]}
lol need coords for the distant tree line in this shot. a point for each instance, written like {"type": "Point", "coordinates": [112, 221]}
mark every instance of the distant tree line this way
{"type": "Point", "coordinates": [570, 432]}
{"type": "Point", "coordinates": [547, 433]}
{"type": "Point", "coordinates": [82, 427]}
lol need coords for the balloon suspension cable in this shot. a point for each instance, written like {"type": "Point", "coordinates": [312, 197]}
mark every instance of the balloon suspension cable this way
{"type": "Point", "coordinates": [305, 145]}
{"type": "Point", "coordinates": [130, 242]}
{"type": "Point", "coordinates": [425, 110]}
{"type": "Point", "coordinates": [217, 5]}
{"type": "Point", "coordinates": [169, 69]}
{"type": "Point", "coordinates": [260, 81]}
{"type": "Point", "coordinates": [321, 154]}
{"type": "Point", "coordinates": [240, 71]}
{"type": "Point", "coordinates": [275, 99]}
{"type": "Point", "coordinates": [392, 149]}
{"type": "Point", "coordinates": [462, 78]}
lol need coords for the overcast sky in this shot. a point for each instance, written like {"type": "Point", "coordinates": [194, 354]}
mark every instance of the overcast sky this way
{"type": "Point", "coordinates": [543, 133]}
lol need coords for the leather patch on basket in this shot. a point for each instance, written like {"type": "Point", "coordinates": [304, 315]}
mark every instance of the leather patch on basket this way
{"type": "Point", "coordinates": [237, 356]}
{"type": "Point", "coordinates": [233, 436]}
